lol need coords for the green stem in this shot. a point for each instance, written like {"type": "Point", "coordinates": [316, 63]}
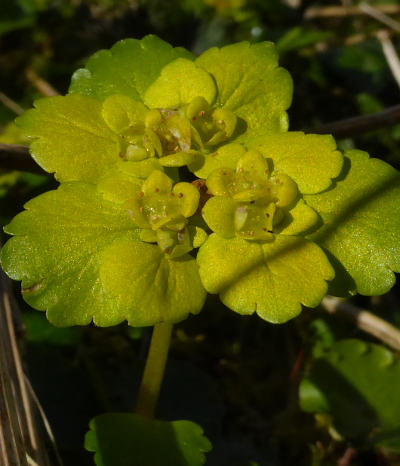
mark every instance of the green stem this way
{"type": "Point", "coordinates": [154, 370]}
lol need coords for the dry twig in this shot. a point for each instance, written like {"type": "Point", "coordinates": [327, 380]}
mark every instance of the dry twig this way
{"type": "Point", "coordinates": [365, 320]}
{"type": "Point", "coordinates": [9, 103]}
{"type": "Point", "coordinates": [40, 84]}
{"type": "Point", "coordinates": [16, 157]}
{"type": "Point", "coordinates": [362, 124]}
{"type": "Point", "coordinates": [342, 11]}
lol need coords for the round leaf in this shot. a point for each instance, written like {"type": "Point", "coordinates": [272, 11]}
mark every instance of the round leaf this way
{"type": "Point", "coordinates": [70, 137]}
{"type": "Point", "coordinates": [67, 252]}
{"type": "Point", "coordinates": [357, 383]}
{"type": "Point", "coordinates": [148, 286]}
{"type": "Point", "coordinates": [122, 439]}
{"type": "Point", "coordinates": [180, 82]}
{"type": "Point", "coordinates": [271, 279]}
{"type": "Point", "coordinates": [311, 160]}
{"type": "Point", "coordinates": [250, 84]}
{"type": "Point", "coordinates": [128, 68]}
{"type": "Point", "coordinates": [361, 225]}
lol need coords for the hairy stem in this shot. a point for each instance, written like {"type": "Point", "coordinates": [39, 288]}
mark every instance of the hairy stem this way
{"type": "Point", "coordinates": [154, 370]}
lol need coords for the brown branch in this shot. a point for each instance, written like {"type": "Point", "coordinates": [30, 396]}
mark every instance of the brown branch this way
{"type": "Point", "coordinates": [40, 84]}
{"type": "Point", "coordinates": [365, 320]}
{"type": "Point", "coordinates": [9, 103]}
{"type": "Point", "coordinates": [16, 157]}
{"type": "Point", "coordinates": [358, 125]}
{"type": "Point", "coordinates": [342, 11]}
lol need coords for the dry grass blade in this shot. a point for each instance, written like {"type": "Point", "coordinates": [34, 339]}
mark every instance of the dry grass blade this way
{"type": "Point", "coordinates": [20, 437]}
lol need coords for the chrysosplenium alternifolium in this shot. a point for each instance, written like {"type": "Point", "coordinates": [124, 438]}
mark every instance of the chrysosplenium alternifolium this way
{"type": "Point", "coordinates": [179, 177]}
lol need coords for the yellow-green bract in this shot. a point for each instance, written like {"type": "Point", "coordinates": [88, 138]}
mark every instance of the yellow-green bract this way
{"type": "Point", "coordinates": [268, 219]}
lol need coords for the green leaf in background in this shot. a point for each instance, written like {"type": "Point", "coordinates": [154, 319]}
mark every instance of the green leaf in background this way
{"type": "Point", "coordinates": [271, 279]}
{"type": "Point", "coordinates": [361, 225]}
{"type": "Point", "coordinates": [119, 439]}
{"type": "Point", "coordinates": [250, 84]}
{"type": "Point", "coordinates": [128, 68]}
{"type": "Point", "coordinates": [356, 382]}
{"type": "Point", "coordinates": [70, 137]}
{"type": "Point", "coordinates": [301, 36]}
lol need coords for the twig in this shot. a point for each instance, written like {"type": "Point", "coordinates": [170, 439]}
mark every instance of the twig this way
{"type": "Point", "coordinates": [342, 11]}
{"type": "Point", "coordinates": [348, 457]}
{"type": "Point", "coordinates": [380, 16]}
{"type": "Point", "coordinates": [9, 103]}
{"type": "Point", "coordinates": [391, 55]}
{"type": "Point", "coordinates": [365, 320]}
{"type": "Point", "coordinates": [16, 157]}
{"type": "Point", "coordinates": [358, 125]}
{"type": "Point", "coordinates": [40, 84]}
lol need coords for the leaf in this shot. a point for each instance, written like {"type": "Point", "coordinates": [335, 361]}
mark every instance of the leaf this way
{"type": "Point", "coordinates": [356, 382]}
{"type": "Point", "coordinates": [60, 251]}
{"type": "Point", "coordinates": [120, 439]}
{"type": "Point", "coordinates": [128, 68]}
{"type": "Point", "coordinates": [179, 83]}
{"type": "Point", "coordinates": [298, 220]}
{"type": "Point", "coordinates": [361, 225]}
{"type": "Point", "coordinates": [271, 279]}
{"type": "Point", "coordinates": [148, 285]}
{"type": "Point", "coordinates": [311, 160]}
{"type": "Point", "coordinates": [70, 137]}
{"type": "Point", "coordinates": [299, 37]}
{"type": "Point", "coordinates": [250, 84]}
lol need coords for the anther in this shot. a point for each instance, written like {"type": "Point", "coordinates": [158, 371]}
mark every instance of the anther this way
{"type": "Point", "coordinates": [180, 195]}
{"type": "Point", "coordinates": [141, 194]}
{"type": "Point", "coordinates": [157, 190]}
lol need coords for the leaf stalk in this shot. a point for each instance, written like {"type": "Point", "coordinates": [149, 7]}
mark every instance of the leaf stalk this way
{"type": "Point", "coordinates": [153, 374]}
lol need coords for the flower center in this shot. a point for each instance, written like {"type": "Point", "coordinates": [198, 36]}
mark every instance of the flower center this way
{"type": "Point", "coordinates": [176, 136]}
{"type": "Point", "coordinates": [256, 199]}
{"type": "Point", "coordinates": [161, 211]}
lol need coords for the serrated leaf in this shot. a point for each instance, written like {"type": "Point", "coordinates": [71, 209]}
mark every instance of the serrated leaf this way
{"type": "Point", "coordinates": [361, 229]}
{"type": "Point", "coordinates": [356, 382]}
{"type": "Point", "coordinates": [179, 83]}
{"type": "Point", "coordinates": [121, 439]}
{"type": "Point", "coordinates": [128, 68]}
{"type": "Point", "coordinates": [59, 251]}
{"type": "Point", "coordinates": [271, 279]}
{"type": "Point", "coordinates": [311, 160]}
{"type": "Point", "coordinates": [70, 137]}
{"type": "Point", "coordinates": [250, 84]}
{"type": "Point", "coordinates": [150, 286]}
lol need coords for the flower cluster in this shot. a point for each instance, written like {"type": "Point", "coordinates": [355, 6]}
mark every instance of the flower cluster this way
{"type": "Point", "coordinates": [179, 177]}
